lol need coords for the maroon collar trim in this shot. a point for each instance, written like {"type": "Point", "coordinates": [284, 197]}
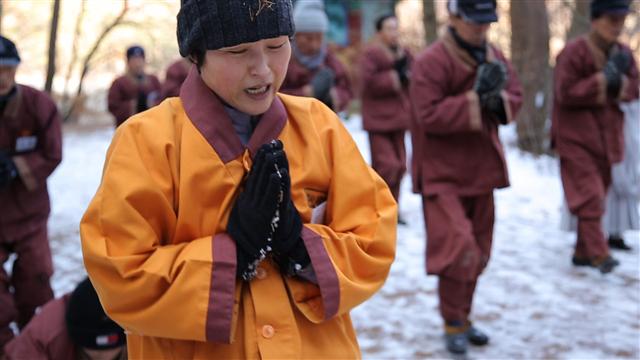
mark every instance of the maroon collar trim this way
{"type": "Point", "coordinates": [206, 112]}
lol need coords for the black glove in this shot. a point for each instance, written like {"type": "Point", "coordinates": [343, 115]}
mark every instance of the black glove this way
{"type": "Point", "coordinates": [251, 222]}
{"type": "Point", "coordinates": [291, 253]}
{"type": "Point", "coordinates": [321, 83]}
{"type": "Point", "coordinates": [142, 102]}
{"type": "Point", "coordinates": [617, 64]}
{"type": "Point", "coordinates": [8, 170]}
{"type": "Point", "coordinates": [401, 66]}
{"type": "Point", "coordinates": [495, 105]}
{"type": "Point", "coordinates": [490, 78]}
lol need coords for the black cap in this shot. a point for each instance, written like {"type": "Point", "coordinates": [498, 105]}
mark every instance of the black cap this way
{"type": "Point", "coordinates": [8, 52]}
{"type": "Point", "coordinates": [601, 7]}
{"type": "Point", "coordinates": [135, 50]}
{"type": "Point", "coordinates": [475, 11]}
{"type": "Point", "coordinates": [87, 323]}
{"type": "Point", "coordinates": [214, 24]}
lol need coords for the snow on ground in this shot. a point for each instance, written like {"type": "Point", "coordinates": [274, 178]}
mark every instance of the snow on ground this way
{"type": "Point", "coordinates": [531, 301]}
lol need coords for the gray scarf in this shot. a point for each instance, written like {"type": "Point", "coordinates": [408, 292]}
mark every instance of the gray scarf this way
{"type": "Point", "coordinates": [310, 62]}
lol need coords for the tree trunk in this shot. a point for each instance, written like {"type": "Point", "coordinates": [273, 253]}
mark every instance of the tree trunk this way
{"type": "Point", "coordinates": [87, 60]}
{"type": "Point", "coordinates": [74, 54]}
{"type": "Point", "coordinates": [1, 13]}
{"type": "Point", "coordinates": [530, 56]}
{"type": "Point", "coordinates": [429, 21]}
{"type": "Point", "coordinates": [580, 20]}
{"type": "Point", "coordinates": [51, 66]}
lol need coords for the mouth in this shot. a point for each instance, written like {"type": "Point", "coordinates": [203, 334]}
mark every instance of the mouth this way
{"type": "Point", "coordinates": [258, 90]}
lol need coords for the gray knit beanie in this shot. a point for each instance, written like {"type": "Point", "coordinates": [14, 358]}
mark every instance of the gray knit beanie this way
{"type": "Point", "coordinates": [214, 24]}
{"type": "Point", "coordinates": [309, 16]}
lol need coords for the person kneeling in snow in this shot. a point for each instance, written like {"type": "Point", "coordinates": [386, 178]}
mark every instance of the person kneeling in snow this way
{"type": "Point", "coordinates": [227, 224]}
{"type": "Point", "coordinates": [69, 328]}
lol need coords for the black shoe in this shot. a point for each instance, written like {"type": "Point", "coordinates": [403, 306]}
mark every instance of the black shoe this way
{"type": "Point", "coordinates": [476, 337]}
{"type": "Point", "coordinates": [456, 343]}
{"type": "Point", "coordinates": [580, 261]}
{"type": "Point", "coordinates": [606, 266]}
{"type": "Point", "coordinates": [617, 242]}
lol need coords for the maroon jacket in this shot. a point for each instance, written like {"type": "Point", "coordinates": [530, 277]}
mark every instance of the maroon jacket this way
{"type": "Point", "coordinates": [123, 95]}
{"type": "Point", "coordinates": [298, 77]}
{"type": "Point", "coordinates": [30, 130]}
{"type": "Point", "coordinates": [176, 73]}
{"type": "Point", "coordinates": [584, 118]}
{"type": "Point", "coordinates": [385, 104]}
{"type": "Point", "coordinates": [455, 143]}
{"type": "Point", "coordinates": [45, 337]}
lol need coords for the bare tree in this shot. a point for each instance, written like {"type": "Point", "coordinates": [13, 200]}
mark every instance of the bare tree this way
{"type": "Point", "coordinates": [429, 21]}
{"type": "Point", "coordinates": [77, 33]}
{"type": "Point", "coordinates": [51, 65]}
{"type": "Point", "coordinates": [530, 56]}
{"type": "Point", "coordinates": [87, 60]}
{"type": "Point", "coordinates": [580, 19]}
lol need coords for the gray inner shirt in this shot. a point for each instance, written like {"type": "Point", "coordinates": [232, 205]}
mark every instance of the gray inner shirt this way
{"type": "Point", "coordinates": [242, 123]}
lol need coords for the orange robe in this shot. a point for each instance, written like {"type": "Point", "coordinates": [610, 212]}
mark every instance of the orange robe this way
{"type": "Point", "coordinates": [156, 249]}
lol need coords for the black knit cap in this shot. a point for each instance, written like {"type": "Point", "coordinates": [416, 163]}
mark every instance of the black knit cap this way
{"type": "Point", "coordinates": [8, 52]}
{"type": "Point", "coordinates": [214, 24]}
{"type": "Point", "coordinates": [87, 323]}
{"type": "Point", "coordinates": [475, 11]}
{"type": "Point", "coordinates": [601, 7]}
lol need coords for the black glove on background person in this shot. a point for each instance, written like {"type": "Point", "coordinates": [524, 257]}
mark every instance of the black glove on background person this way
{"type": "Point", "coordinates": [490, 78]}
{"type": "Point", "coordinates": [291, 253]}
{"type": "Point", "coordinates": [617, 64]}
{"type": "Point", "coordinates": [8, 170]}
{"type": "Point", "coordinates": [250, 221]}
{"type": "Point", "coordinates": [321, 84]}
{"type": "Point", "coordinates": [401, 66]}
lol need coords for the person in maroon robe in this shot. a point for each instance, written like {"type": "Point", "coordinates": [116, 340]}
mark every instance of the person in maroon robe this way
{"type": "Point", "coordinates": [386, 110]}
{"type": "Point", "coordinates": [30, 149]}
{"type": "Point", "coordinates": [176, 74]}
{"type": "Point", "coordinates": [70, 328]}
{"type": "Point", "coordinates": [462, 89]}
{"type": "Point", "coordinates": [593, 74]}
{"type": "Point", "coordinates": [313, 70]}
{"type": "Point", "coordinates": [135, 91]}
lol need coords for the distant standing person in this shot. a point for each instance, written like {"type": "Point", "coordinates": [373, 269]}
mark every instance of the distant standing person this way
{"type": "Point", "coordinates": [462, 88]}
{"type": "Point", "coordinates": [593, 74]}
{"type": "Point", "coordinates": [313, 70]}
{"type": "Point", "coordinates": [30, 149]}
{"type": "Point", "coordinates": [135, 91]}
{"type": "Point", "coordinates": [73, 327]}
{"type": "Point", "coordinates": [176, 74]}
{"type": "Point", "coordinates": [386, 110]}
{"type": "Point", "coordinates": [621, 212]}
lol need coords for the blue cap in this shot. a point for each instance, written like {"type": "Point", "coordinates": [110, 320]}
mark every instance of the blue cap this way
{"type": "Point", "coordinates": [8, 52]}
{"type": "Point", "coordinates": [601, 7]}
{"type": "Point", "coordinates": [475, 11]}
{"type": "Point", "coordinates": [135, 50]}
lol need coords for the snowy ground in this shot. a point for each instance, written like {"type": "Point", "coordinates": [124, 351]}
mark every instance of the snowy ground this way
{"type": "Point", "coordinates": [531, 301]}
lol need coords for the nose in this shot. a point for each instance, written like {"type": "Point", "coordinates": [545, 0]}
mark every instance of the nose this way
{"type": "Point", "coordinates": [260, 65]}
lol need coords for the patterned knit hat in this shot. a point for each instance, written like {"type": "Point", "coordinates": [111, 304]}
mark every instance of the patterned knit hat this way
{"type": "Point", "coordinates": [214, 24]}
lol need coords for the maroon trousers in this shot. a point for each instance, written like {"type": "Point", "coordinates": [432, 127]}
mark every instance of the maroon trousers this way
{"type": "Point", "coordinates": [389, 158]}
{"type": "Point", "coordinates": [459, 237]}
{"type": "Point", "coordinates": [28, 286]}
{"type": "Point", "coordinates": [585, 182]}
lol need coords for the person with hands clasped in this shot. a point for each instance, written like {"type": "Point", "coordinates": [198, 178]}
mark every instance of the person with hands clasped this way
{"type": "Point", "coordinates": [227, 224]}
{"type": "Point", "coordinates": [314, 70]}
{"type": "Point", "coordinates": [594, 73]}
{"type": "Point", "coordinates": [386, 110]}
{"type": "Point", "coordinates": [461, 88]}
